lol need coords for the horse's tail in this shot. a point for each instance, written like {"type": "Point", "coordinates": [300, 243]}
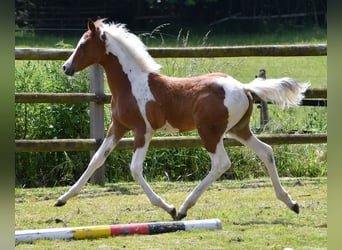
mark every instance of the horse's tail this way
{"type": "Point", "coordinates": [285, 92]}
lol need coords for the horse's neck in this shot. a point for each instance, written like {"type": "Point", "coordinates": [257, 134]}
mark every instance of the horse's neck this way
{"type": "Point", "coordinates": [117, 79]}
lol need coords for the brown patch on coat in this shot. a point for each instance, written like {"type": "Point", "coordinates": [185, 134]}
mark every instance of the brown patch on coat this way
{"type": "Point", "coordinates": [125, 111]}
{"type": "Point", "coordinates": [241, 129]}
{"type": "Point", "coordinates": [189, 103]}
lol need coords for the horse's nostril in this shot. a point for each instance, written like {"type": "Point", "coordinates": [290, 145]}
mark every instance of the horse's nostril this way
{"type": "Point", "coordinates": [68, 70]}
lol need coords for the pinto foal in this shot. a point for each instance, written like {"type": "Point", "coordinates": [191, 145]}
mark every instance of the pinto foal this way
{"type": "Point", "coordinates": [145, 101]}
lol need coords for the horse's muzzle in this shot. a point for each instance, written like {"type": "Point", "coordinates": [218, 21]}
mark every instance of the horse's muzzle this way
{"type": "Point", "coordinates": [68, 70]}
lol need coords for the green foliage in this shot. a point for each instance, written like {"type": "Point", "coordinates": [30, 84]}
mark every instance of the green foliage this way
{"type": "Point", "coordinates": [46, 121]}
{"type": "Point", "coordinates": [49, 121]}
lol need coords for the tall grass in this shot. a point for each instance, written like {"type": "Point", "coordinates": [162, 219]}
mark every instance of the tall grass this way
{"type": "Point", "coordinates": [209, 37]}
{"type": "Point", "coordinates": [44, 121]}
{"type": "Point", "coordinates": [48, 121]}
{"type": "Point", "coordinates": [163, 36]}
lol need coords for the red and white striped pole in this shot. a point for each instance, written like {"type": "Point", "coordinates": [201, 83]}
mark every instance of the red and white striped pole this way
{"type": "Point", "coordinates": [92, 232]}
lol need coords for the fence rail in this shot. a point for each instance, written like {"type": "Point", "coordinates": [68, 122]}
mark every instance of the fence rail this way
{"type": "Point", "coordinates": [62, 145]}
{"type": "Point", "coordinates": [225, 51]}
{"type": "Point", "coordinates": [312, 93]}
{"type": "Point", "coordinates": [98, 98]}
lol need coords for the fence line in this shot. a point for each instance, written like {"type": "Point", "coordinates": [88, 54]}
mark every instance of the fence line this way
{"type": "Point", "coordinates": [98, 98]}
{"type": "Point", "coordinates": [61, 145]}
{"type": "Point", "coordinates": [224, 51]}
{"type": "Point", "coordinates": [61, 98]}
{"type": "Point", "coordinates": [311, 93]}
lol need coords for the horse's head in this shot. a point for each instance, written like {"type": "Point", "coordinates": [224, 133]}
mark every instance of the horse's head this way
{"type": "Point", "coordinates": [90, 49]}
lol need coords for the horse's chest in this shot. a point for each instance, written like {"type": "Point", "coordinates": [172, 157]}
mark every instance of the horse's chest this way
{"type": "Point", "coordinates": [129, 108]}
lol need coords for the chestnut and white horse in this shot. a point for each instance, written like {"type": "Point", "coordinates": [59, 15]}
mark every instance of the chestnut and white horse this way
{"type": "Point", "coordinates": [145, 101]}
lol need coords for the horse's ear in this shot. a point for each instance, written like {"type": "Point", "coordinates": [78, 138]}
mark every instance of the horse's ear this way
{"type": "Point", "coordinates": [91, 25]}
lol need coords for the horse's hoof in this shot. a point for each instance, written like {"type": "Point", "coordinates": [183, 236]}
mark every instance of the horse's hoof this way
{"type": "Point", "coordinates": [295, 208]}
{"type": "Point", "coordinates": [173, 213]}
{"type": "Point", "coordinates": [180, 216]}
{"type": "Point", "coordinates": [60, 203]}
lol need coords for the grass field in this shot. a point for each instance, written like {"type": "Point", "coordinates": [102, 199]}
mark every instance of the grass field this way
{"type": "Point", "coordinates": [160, 36]}
{"type": "Point", "coordinates": [292, 160]}
{"type": "Point", "coordinates": [252, 218]}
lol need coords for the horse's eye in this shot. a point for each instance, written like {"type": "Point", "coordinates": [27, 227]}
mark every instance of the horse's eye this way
{"type": "Point", "coordinates": [83, 45]}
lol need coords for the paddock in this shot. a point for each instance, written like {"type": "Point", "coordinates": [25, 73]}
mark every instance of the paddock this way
{"type": "Point", "coordinates": [250, 215]}
{"type": "Point", "coordinates": [234, 238]}
{"type": "Point", "coordinates": [98, 99]}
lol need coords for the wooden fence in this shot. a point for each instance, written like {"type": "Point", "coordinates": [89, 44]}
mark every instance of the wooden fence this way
{"type": "Point", "coordinates": [98, 98]}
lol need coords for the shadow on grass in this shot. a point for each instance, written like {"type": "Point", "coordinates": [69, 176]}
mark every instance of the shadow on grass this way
{"type": "Point", "coordinates": [263, 222]}
{"type": "Point", "coordinates": [108, 190]}
{"type": "Point", "coordinates": [126, 188]}
{"type": "Point", "coordinates": [121, 190]}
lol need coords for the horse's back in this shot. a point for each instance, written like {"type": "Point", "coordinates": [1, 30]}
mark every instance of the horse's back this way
{"type": "Point", "coordinates": [187, 103]}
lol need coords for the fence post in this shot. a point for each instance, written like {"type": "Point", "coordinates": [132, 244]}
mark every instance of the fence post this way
{"type": "Point", "coordinates": [264, 118]}
{"type": "Point", "coordinates": [96, 114]}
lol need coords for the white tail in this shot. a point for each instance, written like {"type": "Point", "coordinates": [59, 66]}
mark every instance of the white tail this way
{"type": "Point", "coordinates": [285, 92]}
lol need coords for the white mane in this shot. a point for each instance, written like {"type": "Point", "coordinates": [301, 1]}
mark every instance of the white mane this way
{"type": "Point", "coordinates": [129, 49]}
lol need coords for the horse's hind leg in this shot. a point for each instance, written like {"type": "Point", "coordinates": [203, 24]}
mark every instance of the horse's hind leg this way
{"type": "Point", "coordinates": [265, 152]}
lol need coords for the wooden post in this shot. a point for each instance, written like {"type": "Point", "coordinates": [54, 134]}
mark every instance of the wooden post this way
{"type": "Point", "coordinates": [97, 117]}
{"type": "Point", "coordinates": [264, 118]}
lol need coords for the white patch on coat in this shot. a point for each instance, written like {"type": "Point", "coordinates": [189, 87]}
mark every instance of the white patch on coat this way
{"type": "Point", "coordinates": [235, 99]}
{"type": "Point", "coordinates": [135, 60]}
{"type": "Point", "coordinates": [71, 57]}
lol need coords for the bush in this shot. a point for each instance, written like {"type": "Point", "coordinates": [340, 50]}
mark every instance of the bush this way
{"type": "Point", "coordinates": [48, 121]}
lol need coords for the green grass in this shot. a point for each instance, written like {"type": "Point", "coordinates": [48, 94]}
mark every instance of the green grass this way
{"type": "Point", "coordinates": [160, 37]}
{"type": "Point", "coordinates": [251, 216]}
{"type": "Point", "coordinates": [170, 164]}
{"type": "Point", "coordinates": [186, 38]}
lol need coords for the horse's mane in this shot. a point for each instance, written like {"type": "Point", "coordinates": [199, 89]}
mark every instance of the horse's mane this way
{"type": "Point", "coordinates": [129, 49]}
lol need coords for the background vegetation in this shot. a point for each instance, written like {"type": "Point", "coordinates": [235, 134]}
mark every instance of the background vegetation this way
{"type": "Point", "coordinates": [168, 23]}
{"type": "Point", "coordinates": [64, 16]}
{"type": "Point", "coordinates": [252, 217]}
{"type": "Point", "coordinates": [45, 121]}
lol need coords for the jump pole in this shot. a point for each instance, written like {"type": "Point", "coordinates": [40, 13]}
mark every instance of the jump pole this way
{"type": "Point", "coordinates": [93, 232]}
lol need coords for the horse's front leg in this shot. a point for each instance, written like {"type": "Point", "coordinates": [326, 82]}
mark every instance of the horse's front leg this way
{"type": "Point", "coordinates": [97, 161]}
{"type": "Point", "coordinates": [137, 173]}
